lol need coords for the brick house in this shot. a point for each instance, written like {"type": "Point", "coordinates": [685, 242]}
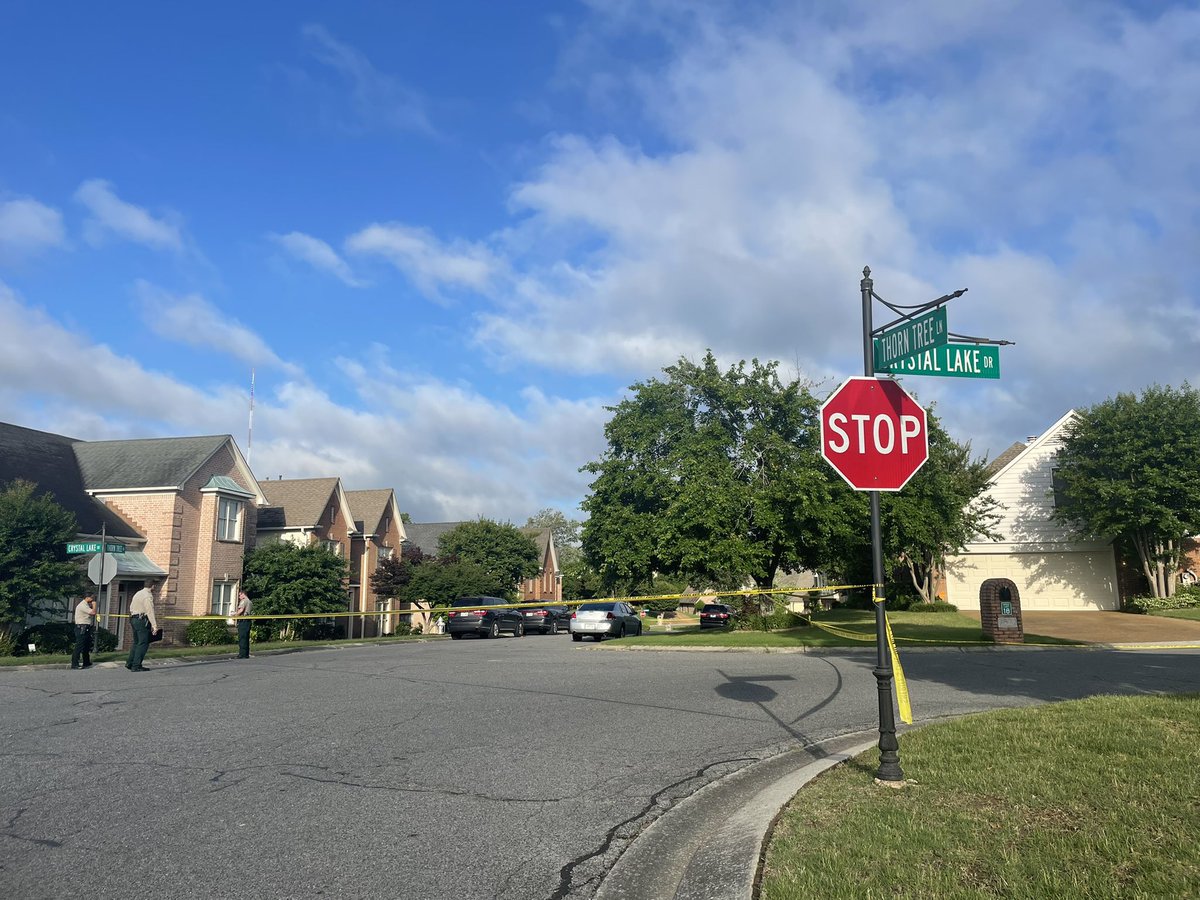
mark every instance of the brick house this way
{"type": "Point", "coordinates": [378, 534]}
{"type": "Point", "coordinates": [185, 509]}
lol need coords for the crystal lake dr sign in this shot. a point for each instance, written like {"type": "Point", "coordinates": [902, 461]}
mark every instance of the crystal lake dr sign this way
{"type": "Point", "coordinates": [951, 361]}
{"type": "Point", "coordinates": [93, 547]}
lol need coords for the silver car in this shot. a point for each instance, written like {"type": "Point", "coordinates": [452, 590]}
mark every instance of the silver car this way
{"type": "Point", "coordinates": [608, 617]}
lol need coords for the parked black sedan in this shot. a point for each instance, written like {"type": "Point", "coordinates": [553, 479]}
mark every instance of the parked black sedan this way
{"type": "Point", "coordinates": [470, 615]}
{"type": "Point", "coordinates": [546, 619]}
{"type": "Point", "coordinates": [716, 615]}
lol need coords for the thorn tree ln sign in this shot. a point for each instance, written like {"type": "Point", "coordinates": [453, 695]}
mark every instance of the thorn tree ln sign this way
{"type": "Point", "coordinates": [874, 434]}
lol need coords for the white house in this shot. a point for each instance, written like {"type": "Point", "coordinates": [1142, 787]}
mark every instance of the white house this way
{"type": "Point", "coordinates": [1052, 569]}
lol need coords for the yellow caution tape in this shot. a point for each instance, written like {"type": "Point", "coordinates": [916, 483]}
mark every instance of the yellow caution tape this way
{"type": "Point", "coordinates": [898, 673]}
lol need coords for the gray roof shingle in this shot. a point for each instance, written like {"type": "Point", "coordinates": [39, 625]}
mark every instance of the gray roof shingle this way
{"type": "Point", "coordinates": [145, 463]}
{"type": "Point", "coordinates": [369, 508]}
{"type": "Point", "coordinates": [295, 503]}
{"type": "Point", "coordinates": [49, 460]}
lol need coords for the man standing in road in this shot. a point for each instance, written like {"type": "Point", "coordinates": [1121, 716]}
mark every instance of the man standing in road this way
{"type": "Point", "coordinates": [85, 616]}
{"type": "Point", "coordinates": [242, 612]}
{"type": "Point", "coordinates": [143, 620]}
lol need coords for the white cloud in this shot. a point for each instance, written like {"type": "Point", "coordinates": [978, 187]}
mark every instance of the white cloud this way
{"type": "Point", "coordinates": [110, 215]}
{"type": "Point", "coordinates": [192, 320]}
{"type": "Point", "coordinates": [449, 452]}
{"type": "Point", "coordinates": [1042, 156]}
{"type": "Point", "coordinates": [27, 227]}
{"type": "Point", "coordinates": [365, 98]}
{"type": "Point", "coordinates": [317, 254]}
{"type": "Point", "coordinates": [430, 264]}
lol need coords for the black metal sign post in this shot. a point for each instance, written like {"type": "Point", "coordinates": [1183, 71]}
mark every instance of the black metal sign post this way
{"type": "Point", "coordinates": [889, 747]}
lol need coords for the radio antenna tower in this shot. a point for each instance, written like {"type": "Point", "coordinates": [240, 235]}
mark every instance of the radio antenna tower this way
{"type": "Point", "coordinates": [250, 426]}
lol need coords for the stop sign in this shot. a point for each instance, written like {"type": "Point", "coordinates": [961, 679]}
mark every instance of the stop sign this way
{"type": "Point", "coordinates": [874, 434]}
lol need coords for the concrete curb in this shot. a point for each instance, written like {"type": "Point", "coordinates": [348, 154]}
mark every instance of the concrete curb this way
{"type": "Point", "coordinates": [709, 846]}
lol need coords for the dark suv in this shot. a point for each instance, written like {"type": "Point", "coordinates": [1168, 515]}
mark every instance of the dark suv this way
{"type": "Point", "coordinates": [469, 616]}
{"type": "Point", "coordinates": [547, 619]}
{"type": "Point", "coordinates": [716, 615]}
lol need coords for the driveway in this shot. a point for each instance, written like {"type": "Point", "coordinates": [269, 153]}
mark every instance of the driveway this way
{"type": "Point", "coordinates": [1108, 627]}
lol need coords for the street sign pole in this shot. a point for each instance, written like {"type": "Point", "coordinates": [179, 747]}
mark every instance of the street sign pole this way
{"type": "Point", "coordinates": [889, 747]}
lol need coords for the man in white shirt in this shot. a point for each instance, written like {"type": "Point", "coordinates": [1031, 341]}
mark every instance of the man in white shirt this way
{"type": "Point", "coordinates": [242, 612]}
{"type": "Point", "coordinates": [85, 615]}
{"type": "Point", "coordinates": [143, 620]}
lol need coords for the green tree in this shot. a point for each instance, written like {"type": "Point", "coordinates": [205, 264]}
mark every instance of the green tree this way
{"type": "Point", "coordinates": [500, 550]}
{"type": "Point", "coordinates": [35, 571]}
{"type": "Point", "coordinates": [443, 579]}
{"type": "Point", "coordinates": [711, 476]}
{"type": "Point", "coordinates": [285, 579]}
{"type": "Point", "coordinates": [1129, 468]}
{"type": "Point", "coordinates": [579, 580]}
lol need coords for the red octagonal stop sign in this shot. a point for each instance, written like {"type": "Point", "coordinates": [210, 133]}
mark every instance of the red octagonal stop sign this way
{"type": "Point", "coordinates": [874, 434]}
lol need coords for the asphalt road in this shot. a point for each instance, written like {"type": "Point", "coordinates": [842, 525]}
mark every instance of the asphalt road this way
{"type": "Point", "coordinates": [507, 768]}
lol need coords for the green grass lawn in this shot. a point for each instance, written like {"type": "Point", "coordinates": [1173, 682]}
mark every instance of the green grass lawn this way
{"type": "Point", "coordinates": [1093, 798]}
{"type": "Point", "coordinates": [1193, 614]}
{"type": "Point", "coordinates": [221, 649]}
{"type": "Point", "coordinates": [908, 628]}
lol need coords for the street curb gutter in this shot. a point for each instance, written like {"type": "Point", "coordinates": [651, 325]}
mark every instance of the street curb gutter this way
{"type": "Point", "coordinates": [708, 847]}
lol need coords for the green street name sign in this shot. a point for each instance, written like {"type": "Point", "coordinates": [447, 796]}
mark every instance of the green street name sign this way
{"type": "Point", "coordinates": [923, 333]}
{"type": "Point", "coordinates": [951, 361]}
{"type": "Point", "coordinates": [94, 547]}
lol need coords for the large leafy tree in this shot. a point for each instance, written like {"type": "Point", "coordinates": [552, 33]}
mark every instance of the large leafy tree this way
{"type": "Point", "coordinates": [499, 550]}
{"type": "Point", "coordinates": [285, 579]}
{"type": "Point", "coordinates": [713, 476]}
{"type": "Point", "coordinates": [1129, 468]}
{"type": "Point", "coordinates": [35, 571]}
{"type": "Point", "coordinates": [440, 580]}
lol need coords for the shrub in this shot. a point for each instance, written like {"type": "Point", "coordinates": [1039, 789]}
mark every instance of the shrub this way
{"type": "Point", "coordinates": [403, 628]}
{"type": "Point", "coordinates": [1184, 598]}
{"type": "Point", "coordinates": [933, 606]}
{"type": "Point", "coordinates": [208, 633]}
{"type": "Point", "coordinates": [750, 616]}
{"type": "Point", "coordinates": [261, 632]}
{"type": "Point", "coordinates": [50, 637]}
{"type": "Point", "coordinates": [8, 644]}
{"type": "Point", "coordinates": [106, 641]}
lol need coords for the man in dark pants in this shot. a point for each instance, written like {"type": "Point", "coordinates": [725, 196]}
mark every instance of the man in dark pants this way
{"type": "Point", "coordinates": [143, 621]}
{"type": "Point", "coordinates": [85, 615]}
{"type": "Point", "coordinates": [242, 613]}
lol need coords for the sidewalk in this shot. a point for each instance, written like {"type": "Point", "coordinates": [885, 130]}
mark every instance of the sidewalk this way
{"type": "Point", "coordinates": [1108, 627]}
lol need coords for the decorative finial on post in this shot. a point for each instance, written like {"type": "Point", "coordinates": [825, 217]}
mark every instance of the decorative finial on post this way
{"type": "Point", "coordinates": [866, 271]}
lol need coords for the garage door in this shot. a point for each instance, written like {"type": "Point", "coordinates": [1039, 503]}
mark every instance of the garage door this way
{"type": "Point", "coordinates": [1080, 580]}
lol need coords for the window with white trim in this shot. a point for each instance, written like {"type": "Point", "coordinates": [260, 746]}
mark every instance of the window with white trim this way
{"type": "Point", "coordinates": [334, 547]}
{"type": "Point", "coordinates": [229, 519]}
{"type": "Point", "coordinates": [223, 593]}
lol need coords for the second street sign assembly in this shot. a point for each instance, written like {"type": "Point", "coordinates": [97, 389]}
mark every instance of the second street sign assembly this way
{"type": "Point", "coordinates": [950, 360]}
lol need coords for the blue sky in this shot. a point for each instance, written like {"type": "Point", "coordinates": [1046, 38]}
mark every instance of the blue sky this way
{"type": "Point", "coordinates": [447, 235]}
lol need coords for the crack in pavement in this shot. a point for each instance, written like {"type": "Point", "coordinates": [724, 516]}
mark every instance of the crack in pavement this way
{"type": "Point", "coordinates": [11, 828]}
{"type": "Point", "coordinates": [426, 790]}
{"type": "Point", "coordinates": [659, 800]}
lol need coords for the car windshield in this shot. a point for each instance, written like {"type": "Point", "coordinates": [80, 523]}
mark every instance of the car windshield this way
{"type": "Point", "coordinates": [597, 607]}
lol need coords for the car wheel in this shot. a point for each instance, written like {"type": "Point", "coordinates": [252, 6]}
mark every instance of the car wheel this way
{"type": "Point", "coordinates": [577, 637]}
{"type": "Point", "coordinates": [597, 638]}
{"type": "Point", "coordinates": [639, 631]}
{"type": "Point", "coordinates": [520, 632]}
{"type": "Point", "coordinates": [621, 633]}
{"type": "Point", "coordinates": [495, 632]}
{"type": "Point", "coordinates": [554, 628]}
{"type": "Point", "coordinates": [456, 636]}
